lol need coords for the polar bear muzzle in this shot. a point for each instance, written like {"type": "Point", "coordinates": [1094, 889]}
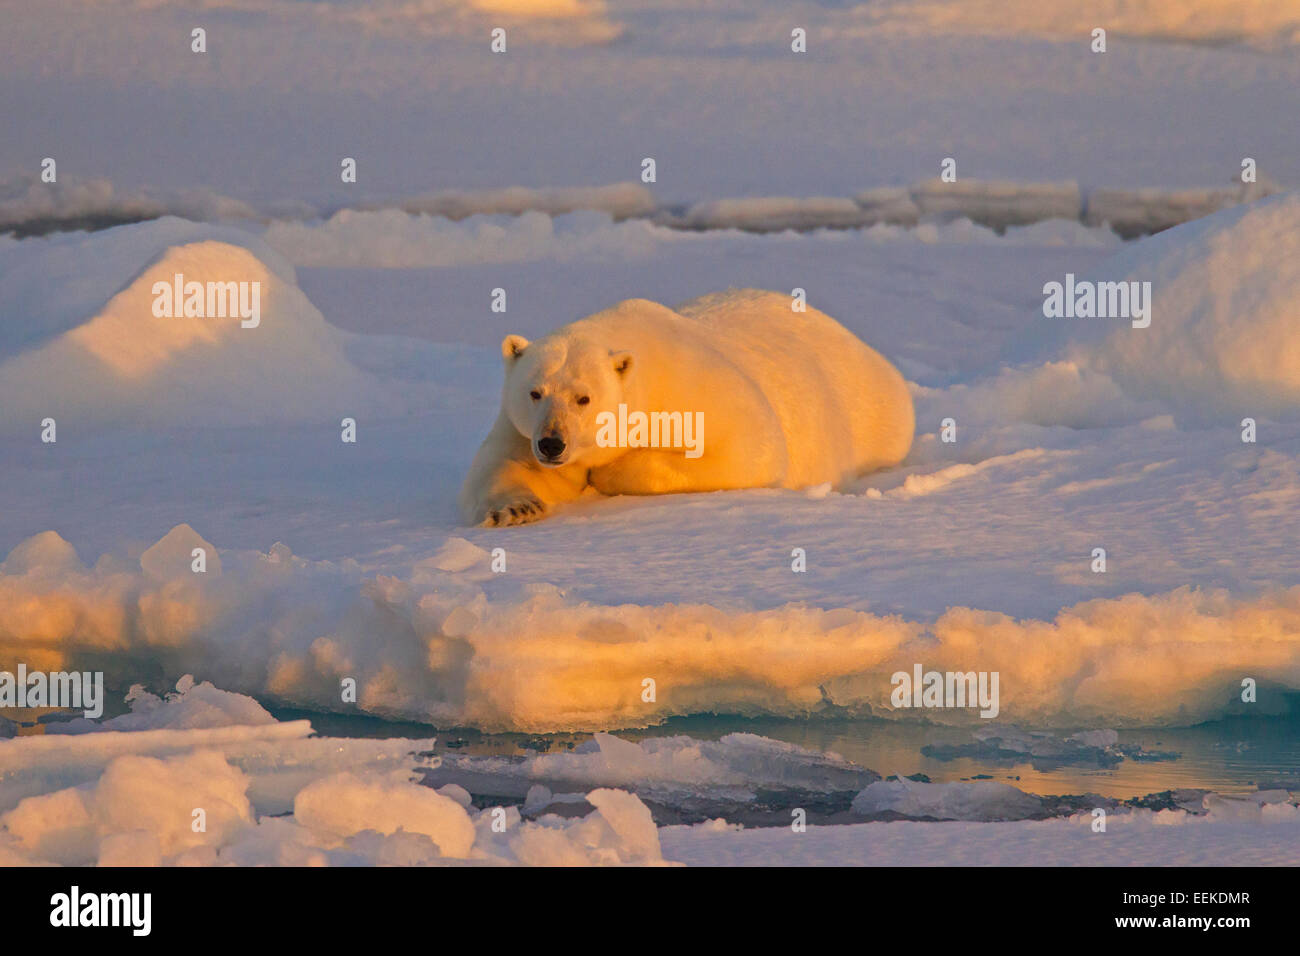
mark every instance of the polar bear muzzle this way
{"type": "Point", "coordinates": [549, 449]}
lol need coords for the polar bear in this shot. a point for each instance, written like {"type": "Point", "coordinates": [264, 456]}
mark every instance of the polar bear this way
{"type": "Point", "coordinates": [731, 390]}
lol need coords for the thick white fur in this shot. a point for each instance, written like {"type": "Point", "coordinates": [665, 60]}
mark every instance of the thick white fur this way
{"type": "Point", "coordinates": [789, 400]}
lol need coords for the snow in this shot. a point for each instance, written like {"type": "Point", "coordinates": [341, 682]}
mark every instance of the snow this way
{"type": "Point", "coordinates": [201, 803]}
{"type": "Point", "coordinates": [1267, 23]}
{"type": "Point", "coordinates": [393, 239]}
{"type": "Point", "coordinates": [564, 639]}
{"type": "Point", "coordinates": [28, 205]}
{"type": "Point", "coordinates": [619, 201]}
{"type": "Point", "coordinates": [170, 558]}
{"type": "Point", "coordinates": [278, 757]}
{"type": "Point", "coordinates": [328, 561]}
{"type": "Point", "coordinates": [344, 804]}
{"type": "Point", "coordinates": [998, 204]}
{"type": "Point", "coordinates": [135, 795]}
{"type": "Point", "coordinates": [127, 793]}
{"type": "Point", "coordinates": [1223, 326]}
{"type": "Point", "coordinates": [712, 93]}
{"type": "Point", "coordinates": [190, 707]}
{"type": "Point", "coordinates": [407, 643]}
{"type": "Point", "coordinates": [518, 223]}
{"type": "Point", "coordinates": [1135, 212]}
{"type": "Point", "coordinates": [140, 810]}
{"type": "Point", "coordinates": [547, 20]}
{"type": "Point", "coordinates": [772, 214]}
{"type": "Point", "coordinates": [1164, 838]}
{"type": "Point", "coordinates": [995, 204]}
{"type": "Point", "coordinates": [114, 365]}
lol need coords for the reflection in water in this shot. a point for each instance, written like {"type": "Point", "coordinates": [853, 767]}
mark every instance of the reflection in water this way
{"type": "Point", "coordinates": [1232, 755]}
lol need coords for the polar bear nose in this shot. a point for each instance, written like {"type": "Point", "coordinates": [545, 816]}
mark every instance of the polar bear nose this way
{"type": "Point", "coordinates": [552, 446]}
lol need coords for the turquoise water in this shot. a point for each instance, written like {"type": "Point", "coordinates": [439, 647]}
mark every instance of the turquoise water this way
{"type": "Point", "coordinates": [1236, 754]}
{"type": "Point", "coordinates": [1232, 755]}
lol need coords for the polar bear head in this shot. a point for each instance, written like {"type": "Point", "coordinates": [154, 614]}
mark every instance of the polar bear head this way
{"type": "Point", "coordinates": [554, 390]}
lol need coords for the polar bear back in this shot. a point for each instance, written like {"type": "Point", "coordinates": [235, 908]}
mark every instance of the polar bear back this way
{"type": "Point", "coordinates": [843, 408]}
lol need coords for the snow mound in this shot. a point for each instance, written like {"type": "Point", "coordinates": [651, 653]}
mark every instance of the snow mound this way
{"type": "Point", "coordinates": [345, 804]}
{"type": "Point", "coordinates": [140, 810]}
{"type": "Point", "coordinates": [1220, 344]}
{"type": "Point", "coordinates": [1223, 324]}
{"type": "Point", "coordinates": [172, 557]}
{"type": "Point", "coordinates": [42, 554]}
{"type": "Point", "coordinates": [457, 554]}
{"type": "Point", "coordinates": [92, 351]}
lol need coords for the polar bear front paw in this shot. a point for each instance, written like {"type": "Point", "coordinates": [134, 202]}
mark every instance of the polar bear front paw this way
{"type": "Point", "coordinates": [517, 511]}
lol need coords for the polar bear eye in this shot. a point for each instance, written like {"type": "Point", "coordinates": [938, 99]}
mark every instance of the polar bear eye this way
{"type": "Point", "coordinates": [536, 395]}
{"type": "Point", "coordinates": [584, 399]}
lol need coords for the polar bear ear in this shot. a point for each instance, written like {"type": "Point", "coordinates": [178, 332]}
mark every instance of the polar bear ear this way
{"type": "Point", "coordinates": [512, 346]}
{"type": "Point", "coordinates": [622, 362]}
